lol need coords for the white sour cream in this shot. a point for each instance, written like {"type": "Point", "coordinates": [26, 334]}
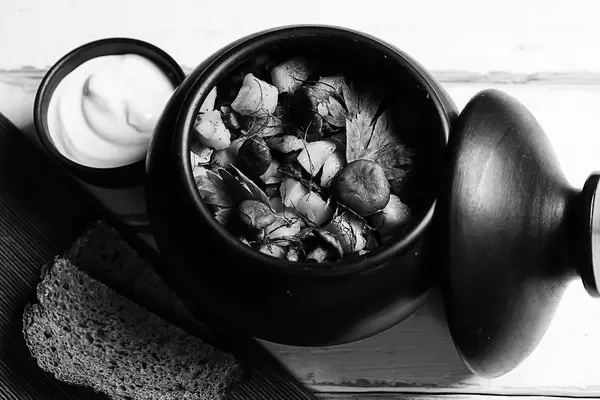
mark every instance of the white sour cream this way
{"type": "Point", "coordinates": [103, 113]}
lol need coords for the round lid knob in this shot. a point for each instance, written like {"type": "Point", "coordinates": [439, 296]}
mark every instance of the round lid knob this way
{"type": "Point", "coordinates": [515, 233]}
{"type": "Point", "coordinates": [589, 241]}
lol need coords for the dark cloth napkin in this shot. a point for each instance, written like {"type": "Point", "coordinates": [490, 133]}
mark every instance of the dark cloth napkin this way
{"type": "Point", "coordinates": [41, 213]}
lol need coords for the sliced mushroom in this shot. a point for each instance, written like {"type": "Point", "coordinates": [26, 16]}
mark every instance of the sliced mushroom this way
{"type": "Point", "coordinates": [273, 250]}
{"type": "Point", "coordinates": [328, 246]}
{"type": "Point", "coordinates": [349, 230]}
{"type": "Point", "coordinates": [256, 214]}
{"type": "Point", "coordinates": [283, 227]}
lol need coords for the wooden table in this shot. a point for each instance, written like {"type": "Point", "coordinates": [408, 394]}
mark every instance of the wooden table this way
{"type": "Point", "coordinates": [545, 53]}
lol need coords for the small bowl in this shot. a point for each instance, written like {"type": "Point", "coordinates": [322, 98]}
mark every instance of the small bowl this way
{"type": "Point", "coordinates": [115, 177]}
{"type": "Point", "coordinates": [275, 300]}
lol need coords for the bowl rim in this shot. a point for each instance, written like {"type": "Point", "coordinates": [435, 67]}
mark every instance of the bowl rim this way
{"type": "Point", "coordinates": [229, 58]}
{"type": "Point", "coordinates": [112, 177]}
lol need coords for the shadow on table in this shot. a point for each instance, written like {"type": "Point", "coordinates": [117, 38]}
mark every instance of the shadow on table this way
{"type": "Point", "coordinates": [417, 353]}
{"type": "Point", "coordinates": [31, 135]}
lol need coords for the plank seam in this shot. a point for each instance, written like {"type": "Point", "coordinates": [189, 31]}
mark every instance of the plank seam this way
{"type": "Point", "coordinates": [443, 76]}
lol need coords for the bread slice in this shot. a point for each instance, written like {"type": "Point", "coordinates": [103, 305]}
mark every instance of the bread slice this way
{"type": "Point", "coordinates": [102, 253]}
{"type": "Point", "coordinates": [85, 333]}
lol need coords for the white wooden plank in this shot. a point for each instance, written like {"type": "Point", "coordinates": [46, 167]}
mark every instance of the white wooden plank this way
{"type": "Point", "coordinates": [467, 35]}
{"type": "Point", "coordinates": [418, 355]}
{"type": "Point", "coordinates": [418, 396]}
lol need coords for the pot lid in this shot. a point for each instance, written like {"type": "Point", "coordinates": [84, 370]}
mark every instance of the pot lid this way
{"type": "Point", "coordinates": [512, 228]}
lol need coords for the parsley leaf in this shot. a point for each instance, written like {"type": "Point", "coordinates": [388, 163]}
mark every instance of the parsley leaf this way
{"type": "Point", "coordinates": [222, 215]}
{"type": "Point", "coordinates": [370, 136]}
{"type": "Point", "coordinates": [213, 189]}
{"type": "Point", "coordinates": [254, 192]}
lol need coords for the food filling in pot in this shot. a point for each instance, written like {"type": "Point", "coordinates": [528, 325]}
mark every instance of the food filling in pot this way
{"type": "Point", "coordinates": [302, 166]}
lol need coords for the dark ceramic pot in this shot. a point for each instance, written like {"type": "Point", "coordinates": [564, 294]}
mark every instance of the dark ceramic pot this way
{"type": "Point", "coordinates": [269, 298]}
{"type": "Point", "coordinates": [118, 177]}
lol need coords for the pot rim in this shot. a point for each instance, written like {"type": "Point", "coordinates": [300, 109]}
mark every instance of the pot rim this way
{"type": "Point", "coordinates": [222, 63]}
{"type": "Point", "coordinates": [114, 177]}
